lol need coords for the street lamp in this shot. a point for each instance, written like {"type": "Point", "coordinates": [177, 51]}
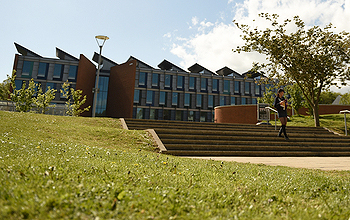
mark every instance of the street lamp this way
{"type": "Point", "coordinates": [100, 39]}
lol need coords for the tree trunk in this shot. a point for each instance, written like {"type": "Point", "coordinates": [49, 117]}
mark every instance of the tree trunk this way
{"type": "Point", "coordinates": [316, 116]}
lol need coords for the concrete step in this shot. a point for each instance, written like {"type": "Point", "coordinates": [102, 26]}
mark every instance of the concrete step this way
{"type": "Point", "coordinates": [214, 139]}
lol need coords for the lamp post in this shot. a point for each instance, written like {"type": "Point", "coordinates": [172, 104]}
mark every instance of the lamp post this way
{"type": "Point", "coordinates": [96, 89]}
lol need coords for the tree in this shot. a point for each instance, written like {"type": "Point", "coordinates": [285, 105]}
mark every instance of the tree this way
{"type": "Point", "coordinates": [23, 98]}
{"type": "Point", "coordinates": [43, 100]}
{"type": "Point", "coordinates": [345, 99]}
{"type": "Point", "coordinates": [312, 58]}
{"type": "Point", "coordinates": [268, 96]}
{"type": "Point", "coordinates": [74, 100]}
{"type": "Point", "coordinates": [5, 88]}
{"type": "Point", "coordinates": [328, 97]}
{"type": "Point", "coordinates": [296, 100]}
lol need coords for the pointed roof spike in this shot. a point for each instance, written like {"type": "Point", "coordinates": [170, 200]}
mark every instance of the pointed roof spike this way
{"type": "Point", "coordinates": [26, 52]}
{"type": "Point", "coordinates": [166, 65]}
{"type": "Point", "coordinates": [143, 64]}
{"type": "Point", "coordinates": [64, 55]}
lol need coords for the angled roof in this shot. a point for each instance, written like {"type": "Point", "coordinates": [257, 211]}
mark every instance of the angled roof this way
{"type": "Point", "coordinates": [140, 63]}
{"type": "Point", "coordinates": [225, 71]}
{"type": "Point", "coordinates": [251, 74]}
{"type": "Point", "coordinates": [64, 55]}
{"type": "Point", "coordinates": [196, 68]}
{"type": "Point", "coordinates": [166, 65]}
{"type": "Point", "coordinates": [26, 52]}
{"type": "Point", "coordinates": [95, 58]}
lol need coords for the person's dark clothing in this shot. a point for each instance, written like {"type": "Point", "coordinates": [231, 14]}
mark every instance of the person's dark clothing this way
{"type": "Point", "coordinates": [281, 112]}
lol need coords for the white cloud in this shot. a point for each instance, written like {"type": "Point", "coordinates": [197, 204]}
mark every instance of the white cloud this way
{"type": "Point", "coordinates": [211, 46]}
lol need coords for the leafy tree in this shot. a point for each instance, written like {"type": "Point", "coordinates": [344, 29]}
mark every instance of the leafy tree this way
{"type": "Point", "coordinates": [296, 100]}
{"type": "Point", "coordinates": [312, 58]}
{"type": "Point", "coordinates": [23, 98]}
{"type": "Point", "coordinates": [74, 100]}
{"type": "Point", "coordinates": [5, 88]}
{"type": "Point", "coordinates": [345, 99]}
{"type": "Point", "coordinates": [328, 97]}
{"type": "Point", "coordinates": [268, 96]}
{"type": "Point", "coordinates": [43, 100]}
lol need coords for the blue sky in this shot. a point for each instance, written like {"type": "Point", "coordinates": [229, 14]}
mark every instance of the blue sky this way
{"type": "Point", "coordinates": [183, 32]}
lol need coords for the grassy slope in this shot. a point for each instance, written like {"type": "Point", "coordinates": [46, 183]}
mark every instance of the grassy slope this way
{"type": "Point", "coordinates": [84, 168]}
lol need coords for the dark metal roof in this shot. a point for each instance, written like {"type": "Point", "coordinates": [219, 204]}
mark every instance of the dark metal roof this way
{"type": "Point", "coordinates": [225, 71]}
{"type": "Point", "coordinates": [64, 55]}
{"type": "Point", "coordinates": [140, 63]}
{"type": "Point", "coordinates": [166, 65]}
{"type": "Point", "coordinates": [196, 68]}
{"type": "Point", "coordinates": [95, 58]}
{"type": "Point", "coordinates": [26, 52]}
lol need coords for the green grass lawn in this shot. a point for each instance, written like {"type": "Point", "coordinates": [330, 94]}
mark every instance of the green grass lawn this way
{"type": "Point", "coordinates": [54, 167]}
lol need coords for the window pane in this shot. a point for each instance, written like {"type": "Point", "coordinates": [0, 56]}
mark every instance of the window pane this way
{"type": "Point", "coordinates": [233, 100]}
{"type": "Point", "coordinates": [192, 83]}
{"type": "Point", "coordinates": [43, 69]}
{"type": "Point", "coordinates": [175, 98]}
{"type": "Point", "coordinates": [203, 117]}
{"type": "Point", "coordinates": [155, 79]}
{"type": "Point", "coordinates": [187, 99]}
{"type": "Point", "coordinates": [50, 86]}
{"type": "Point", "coordinates": [190, 116]}
{"type": "Point", "coordinates": [137, 96]}
{"type": "Point", "coordinates": [18, 84]}
{"type": "Point", "coordinates": [199, 100]}
{"type": "Point", "coordinates": [149, 99]}
{"type": "Point", "coordinates": [257, 89]}
{"type": "Point", "coordinates": [57, 73]}
{"type": "Point", "coordinates": [180, 82]}
{"type": "Point", "coordinates": [162, 98]}
{"type": "Point", "coordinates": [27, 69]}
{"type": "Point", "coordinates": [142, 79]}
{"type": "Point", "coordinates": [226, 86]}
{"type": "Point", "coordinates": [237, 85]}
{"type": "Point", "coordinates": [153, 114]}
{"type": "Point", "coordinates": [243, 101]}
{"type": "Point", "coordinates": [215, 85]}
{"type": "Point", "coordinates": [210, 101]}
{"type": "Point", "coordinates": [101, 105]}
{"type": "Point", "coordinates": [72, 73]}
{"type": "Point", "coordinates": [204, 82]}
{"type": "Point", "coordinates": [247, 87]}
{"type": "Point", "coordinates": [222, 100]}
{"type": "Point", "coordinates": [167, 81]}
{"type": "Point", "coordinates": [254, 101]}
{"type": "Point", "coordinates": [139, 113]}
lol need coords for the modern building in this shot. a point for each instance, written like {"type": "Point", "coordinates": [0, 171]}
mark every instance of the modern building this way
{"type": "Point", "coordinates": [138, 90]}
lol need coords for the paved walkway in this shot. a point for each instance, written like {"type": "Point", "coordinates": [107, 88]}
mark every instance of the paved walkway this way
{"type": "Point", "coordinates": [322, 163]}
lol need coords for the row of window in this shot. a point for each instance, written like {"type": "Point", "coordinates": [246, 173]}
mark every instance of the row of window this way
{"type": "Point", "coordinates": [178, 115]}
{"type": "Point", "coordinates": [150, 96]}
{"type": "Point", "coordinates": [192, 84]}
{"type": "Point", "coordinates": [27, 71]}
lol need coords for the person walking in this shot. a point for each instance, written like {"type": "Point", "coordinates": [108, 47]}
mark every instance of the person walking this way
{"type": "Point", "coordinates": [281, 107]}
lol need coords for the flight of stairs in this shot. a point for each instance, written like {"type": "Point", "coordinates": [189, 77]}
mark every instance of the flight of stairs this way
{"type": "Point", "coordinates": [216, 139]}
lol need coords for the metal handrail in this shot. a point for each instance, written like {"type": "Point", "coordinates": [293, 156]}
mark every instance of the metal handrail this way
{"type": "Point", "coordinates": [271, 109]}
{"type": "Point", "coordinates": [345, 112]}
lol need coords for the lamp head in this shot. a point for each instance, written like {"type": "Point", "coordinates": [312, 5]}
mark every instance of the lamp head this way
{"type": "Point", "coordinates": [102, 38]}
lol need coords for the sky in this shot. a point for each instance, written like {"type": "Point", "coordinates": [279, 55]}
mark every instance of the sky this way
{"type": "Point", "coordinates": [184, 32]}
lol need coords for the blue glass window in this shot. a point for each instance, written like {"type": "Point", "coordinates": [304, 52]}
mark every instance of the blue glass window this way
{"type": "Point", "coordinates": [27, 69]}
{"type": "Point", "coordinates": [142, 79]}
{"type": "Point", "coordinates": [155, 79]}
{"type": "Point", "coordinates": [136, 96]}
{"type": "Point", "coordinates": [257, 89]}
{"type": "Point", "coordinates": [180, 82]}
{"type": "Point", "coordinates": [102, 96]}
{"type": "Point", "coordinates": [73, 70]}
{"type": "Point", "coordinates": [167, 81]}
{"type": "Point", "coordinates": [244, 101]}
{"type": "Point", "coordinates": [192, 83]}
{"type": "Point", "coordinates": [215, 85]}
{"type": "Point", "coordinates": [174, 98]}
{"type": "Point", "coordinates": [199, 100]}
{"type": "Point", "coordinates": [226, 87]}
{"type": "Point", "coordinates": [233, 100]}
{"type": "Point", "coordinates": [247, 88]}
{"type": "Point", "coordinates": [210, 101]}
{"type": "Point", "coordinates": [139, 113]}
{"type": "Point", "coordinates": [50, 86]}
{"type": "Point", "coordinates": [222, 100]}
{"type": "Point", "coordinates": [18, 84]}
{"type": "Point", "coordinates": [187, 99]}
{"type": "Point", "coordinates": [162, 98]}
{"type": "Point", "coordinates": [58, 71]}
{"type": "Point", "coordinates": [237, 87]}
{"type": "Point", "coordinates": [149, 98]}
{"type": "Point", "coordinates": [254, 101]}
{"type": "Point", "coordinates": [43, 70]}
{"type": "Point", "coordinates": [204, 82]}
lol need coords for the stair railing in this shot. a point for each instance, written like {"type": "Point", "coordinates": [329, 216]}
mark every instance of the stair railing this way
{"type": "Point", "coordinates": [271, 109]}
{"type": "Point", "coordinates": [345, 112]}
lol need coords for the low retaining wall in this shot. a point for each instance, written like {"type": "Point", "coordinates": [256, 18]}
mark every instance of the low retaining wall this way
{"type": "Point", "coordinates": [247, 114]}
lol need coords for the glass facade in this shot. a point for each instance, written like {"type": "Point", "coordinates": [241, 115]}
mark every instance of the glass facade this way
{"type": "Point", "coordinates": [180, 82]}
{"type": "Point", "coordinates": [43, 70]}
{"type": "Point", "coordinates": [72, 75]}
{"type": "Point", "coordinates": [192, 83]}
{"type": "Point", "coordinates": [162, 98]}
{"type": "Point", "coordinates": [175, 98]}
{"type": "Point", "coordinates": [226, 87]}
{"type": "Point", "coordinates": [215, 85]}
{"type": "Point", "coordinates": [237, 87]}
{"type": "Point", "coordinates": [149, 99]}
{"type": "Point", "coordinates": [247, 88]}
{"type": "Point", "coordinates": [136, 96]}
{"type": "Point", "coordinates": [155, 80]}
{"type": "Point", "coordinates": [58, 72]}
{"type": "Point", "coordinates": [204, 84]}
{"type": "Point", "coordinates": [27, 69]}
{"type": "Point", "coordinates": [102, 96]}
{"type": "Point", "coordinates": [142, 79]}
{"type": "Point", "coordinates": [167, 81]}
{"type": "Point", "coordinates": [187, 100]}
{"type": "Point", "coordinates": [199, 100]}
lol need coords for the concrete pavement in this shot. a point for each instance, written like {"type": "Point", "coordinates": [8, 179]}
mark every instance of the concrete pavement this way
{"type": "Point", "coordinates": [322, 163]}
